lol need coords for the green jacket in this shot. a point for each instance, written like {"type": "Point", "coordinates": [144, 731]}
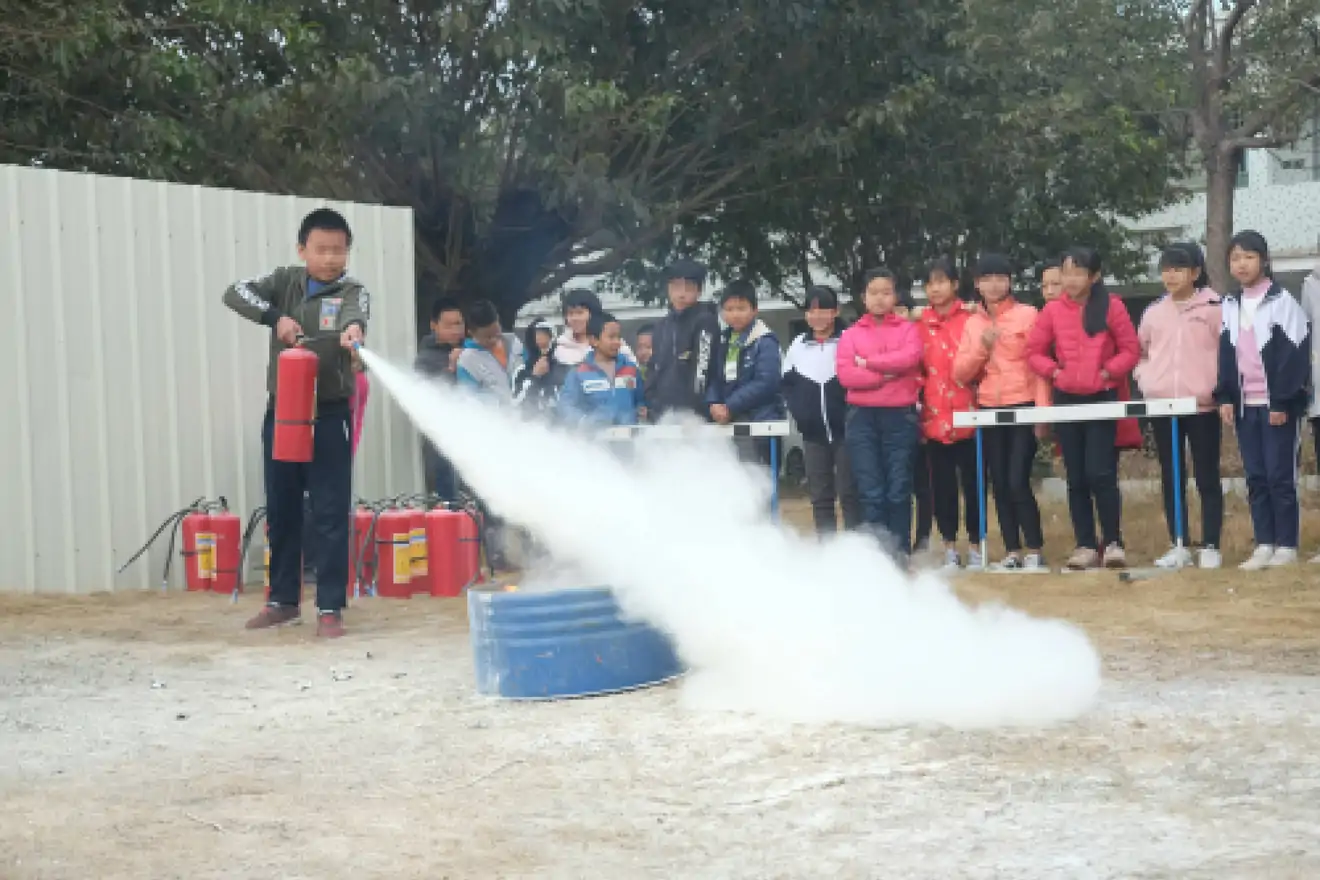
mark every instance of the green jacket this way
{"type": "Point", "coordinates": [322, 317]}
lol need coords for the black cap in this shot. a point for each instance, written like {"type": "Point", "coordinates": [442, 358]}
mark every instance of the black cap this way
{"type": "Point", "coordinates": [686, 270]}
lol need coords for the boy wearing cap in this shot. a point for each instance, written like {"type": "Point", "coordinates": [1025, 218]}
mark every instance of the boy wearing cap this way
{"type": "Point", "coordinates": [683, 343]}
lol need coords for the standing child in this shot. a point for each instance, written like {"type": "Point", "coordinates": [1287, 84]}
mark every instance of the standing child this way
{"type": "Point", "coordinates": [491, 360]}
{"type": "Point", "coordinates": [320, 306]}
{"type": "Point", "coordinates": [539, 390]}
{"type": "Point", "coordinates": [950, 451]}
{"type": "Point", "coordinates": [681, 366]}
{"type": "Point", "coordinates": [744, 385]}
{"type": "Point", "coordinates": [1264, 389]}
{"type": "Point", "coordinates": [437, 358]}
{"type": "Point", "coordinates": [992, 356]}
{"type": "Point", "coordinates": [816, 401]}
{"type": "Point", "coordinates": [921, 481]}
{"type": "Point", "coordinates": [1085, 345]}
{"type": "Point", "coordinates": [1311, 305]}
{"type": "Point", "coordinates": [606, 388]}
{"type": "Point", "coordinates": [879, 364]}
{"type": "Point", "coordinates": [1179, 336]}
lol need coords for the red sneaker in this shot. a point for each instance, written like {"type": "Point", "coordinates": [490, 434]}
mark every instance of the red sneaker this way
{"type": "Point", "coordinates": [329, 625]}
{"type": "Point", "coordinates": [275, 615]}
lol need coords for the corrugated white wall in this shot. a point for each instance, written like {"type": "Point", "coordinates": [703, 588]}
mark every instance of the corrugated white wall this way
{"type": "Point", "coordinates": [128, 389]}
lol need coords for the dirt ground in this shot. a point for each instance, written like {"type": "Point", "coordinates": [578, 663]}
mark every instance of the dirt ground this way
{"type": "Point", "coordinates": [151, 736]}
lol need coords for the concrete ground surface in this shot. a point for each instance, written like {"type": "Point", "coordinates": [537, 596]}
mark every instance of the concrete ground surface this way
{"type": "Point", "coordinates": [150, 736]}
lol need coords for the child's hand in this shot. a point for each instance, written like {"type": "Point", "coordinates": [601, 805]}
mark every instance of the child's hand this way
{"type": "Point", "coordinates": [720, 413]}
{"type": "Point", "coordinates": [541, 367]}
{"type": "Point", "coordinates": [1278, 419]}
{"type": "Point", "coordinates": [859, 361]}
{"type": "Point", "coordinates": [1226, 414]}
{"type": "Point", "coordinates": [1042, 431]}
{"type": "Point", "coordinates": [453, 359]}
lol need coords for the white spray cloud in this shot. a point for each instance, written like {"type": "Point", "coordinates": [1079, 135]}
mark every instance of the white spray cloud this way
{"type": "Point", "coordinates": [768, 621]}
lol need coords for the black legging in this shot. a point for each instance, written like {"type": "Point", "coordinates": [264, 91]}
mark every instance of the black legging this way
{"type": "Point", "coordinates": [953, 467]}
{"type": "Point", "coordinates": [1010, 453]}
{"type": "Point", "coordinates": [1090, 458]}
{"type": "Point", "coordinates": [1202, 432]}
{"type": "Point", "coordinates": [921, 491]}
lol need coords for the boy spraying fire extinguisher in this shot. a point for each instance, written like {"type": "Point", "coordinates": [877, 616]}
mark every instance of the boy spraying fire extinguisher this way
{"type": "Point", "coordinates": [318, 306]}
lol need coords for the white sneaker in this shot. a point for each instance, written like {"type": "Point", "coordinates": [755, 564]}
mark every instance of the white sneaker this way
{"type": "Point", "coordinates": [1315, 560]}
{"type": "Point", "coordinates": [1259, 558]}
{"type": "Point", "coordinates": [952, 562]}
{"type": "Point", "coordinates": [1033, 562]}
{"type": "Point", "coordinates": [1283, 556]}
{"type": "Point", "coordinates": [1208, 557]}
{"type": "Point", "coordinates": [1176, 557]}
{"type": "Point", "coordinates": [974, 560]}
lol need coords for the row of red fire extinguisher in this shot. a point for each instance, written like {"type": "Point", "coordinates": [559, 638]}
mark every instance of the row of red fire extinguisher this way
{"type": "Point", "coordinates": [398, 548]}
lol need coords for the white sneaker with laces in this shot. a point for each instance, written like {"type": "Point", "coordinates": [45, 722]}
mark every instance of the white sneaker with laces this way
{"type": "Point", "coordinates": [1209, 557]}
{"type": "Point", "coordinates": [1259, 558]}
{"type": "Point", "coordinates": [1283, 556]}
{"type": "Point", "coordinates": [1175, 557]}
{"type": "Point", "coordinates": [1033, 562]}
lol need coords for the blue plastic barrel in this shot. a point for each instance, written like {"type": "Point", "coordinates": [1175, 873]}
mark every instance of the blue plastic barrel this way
{"type": "Point", "coordinates": [562, 643]}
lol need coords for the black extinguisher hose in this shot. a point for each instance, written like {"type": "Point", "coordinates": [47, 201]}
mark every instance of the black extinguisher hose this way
{"type": "Point", "coordinates": [173, 520]}
{"type": "Point", "coordinates": [367, 541]}
{"type": "Point", "coordinates": [248, 531]}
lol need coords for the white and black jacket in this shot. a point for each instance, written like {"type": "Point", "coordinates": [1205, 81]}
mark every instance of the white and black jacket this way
{"type": "Point", "coordinates": [1283, 334]}
{"type": "Point", "coordinates": [811, 388]}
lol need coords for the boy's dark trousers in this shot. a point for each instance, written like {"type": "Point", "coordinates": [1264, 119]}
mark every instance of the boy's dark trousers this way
{"type": "Point", "coordinates": [881, 448]}
{"type": "Point", "coordinates": [952, 469]}
{"type": "Point", "coordinates": [830, 478]}
{"type": "Point", "coordinates": [1269, 457]}
{"type": "Point", "coordinates": [1202, 432]}
{"type": "Point", "coordinates": [328, 481]}
{"type": "Point", "coordinates": [1090, 458]}
{"type": "Point", "coordinates": [1010, 453]}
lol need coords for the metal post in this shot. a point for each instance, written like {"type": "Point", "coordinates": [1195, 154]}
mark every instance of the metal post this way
{"type": "Point", "coordinates": [980, 497]}
{"type": "Point", "coordinates": [1178, 484]}
{"type": "Point", "coordinates": [774, 479]}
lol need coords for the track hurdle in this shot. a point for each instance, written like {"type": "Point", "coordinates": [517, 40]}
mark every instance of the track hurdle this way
{"type": "Point", "coordinates": [1170, 408]}
{"type": "Point", "coordinates": [773, 430]}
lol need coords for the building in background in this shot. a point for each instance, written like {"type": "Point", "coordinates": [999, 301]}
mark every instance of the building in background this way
{"type": "Point", "coordinates": [1278, 195]}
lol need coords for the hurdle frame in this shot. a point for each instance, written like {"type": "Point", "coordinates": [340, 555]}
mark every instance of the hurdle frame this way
{"type": "Point", "coordinates": [1169, 408]}
{"type": "Point", "coordinates": [774, 430]}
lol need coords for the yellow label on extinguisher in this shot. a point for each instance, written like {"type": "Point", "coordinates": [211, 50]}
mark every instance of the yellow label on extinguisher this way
{"type": "Point", "coordinates": [417, 541]}
{"type": "Point", "coordinates": [402, 561]}
{"type": "Point", "coordinates": [206, 556]}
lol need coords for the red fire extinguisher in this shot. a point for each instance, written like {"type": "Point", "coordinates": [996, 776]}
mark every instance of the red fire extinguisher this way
{"type": "Point", "coordinates": [444, 553]}
{"type": "Point", "coordinates": [420, 553]}
{"type": "Point", "coordinates": [394, 554]}
{"type": "Point", "coordinates": [198, 550]}
{"type": "Point", "coordinates": [362, 551]}
{"type": "Point", "coordinates": [295, 404]}
{"type": "Point", "coordinates": [226, 531]}
{"type": "Point", "coordinates": [469, 549]}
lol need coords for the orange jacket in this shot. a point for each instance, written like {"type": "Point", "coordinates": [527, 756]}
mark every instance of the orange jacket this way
{"type": "Point", "coordinates": [1001, 374]}
{"type": "Point", "coordinates": [942, 395]}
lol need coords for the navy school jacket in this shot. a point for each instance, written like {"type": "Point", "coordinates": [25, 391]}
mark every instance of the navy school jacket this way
{"type": "Point", "coordinates": [749, 387]}
{"type": "Point", "coordinates": [1283, 333]}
